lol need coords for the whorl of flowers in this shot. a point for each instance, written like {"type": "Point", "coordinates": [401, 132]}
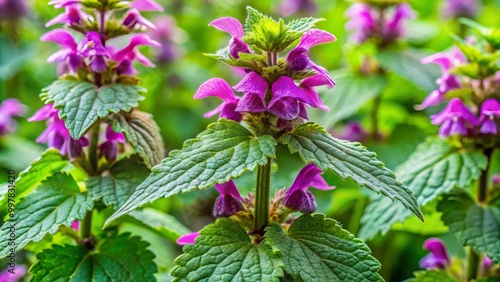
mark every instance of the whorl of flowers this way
{"type": "Point", "coordinates": [279, 85]}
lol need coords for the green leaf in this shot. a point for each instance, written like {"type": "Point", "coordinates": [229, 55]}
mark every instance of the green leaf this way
{"type": "Point", "coordinates": [318, 249]}
{"type": "Point", "coordinates": [115, 189]}
{"type": "Point", "coordinates": [119, 258]}
{"type": "Point", "coordinates": [222, 152]}
{"type": "Point", "coordinates": [224, 252]}
{"type": "Point", "coordinates": [302, 25]}
{"type": "Point", "coordinates": [348, 160]}
{"type": "Point", "coordinates": [432, 276]}
{"type": "Point", "coordinates": [253, 18]}
{"type": "Point", "coordinates": [142, 132]}
{"type": "Point", "coordinates": [46, 165]}
{"type": "Point", "coordinates": [474, 225]}
{"type": "Point", "coordinates": [348, 96]}
{"type": "Point", "coordinates": [166, 225]}
{"type": "Point", "coordinates": [433, 169]}
{"type": "Point", "coordinates": [57, 201]}
{"type": "Point", "coordinates": [492, 35]}
{"type": "Point", "coordinates": [407, 65]}
{"type": "Point", "coordinates": [80, 104]}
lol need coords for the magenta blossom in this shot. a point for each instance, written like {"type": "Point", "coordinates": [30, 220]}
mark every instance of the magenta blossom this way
{"type": "Point", "coordinates": [455, 118]}
{"type": "Point", "coordinates": [63, 3]}
{"type": "Point", "coordinates": [235, 29]}
{"type": "Point", "coordinates": [490, 110]}
{"type": "Point", "coordinates": [438, 258]}
{"type": "Point", "coordinates": [131, 53]}
{"type": "Point", "coordinates": [188, 238]}
{"type": "Point", "coordinates": [75, 225]}
{"type": "Point", "coordinates": [146, 5]}
{"type": "Point", "coordinates": [8, 110]}
{"type": "Point", "coordinates": [72, 15]}
{"type": "Point", "coordinates": [13, 274]}
{"type": "Point", "coordinates": [287, 98]}
{"type": "Point", "coordinates": [459, 8]}
{"type": "Point", "coordinates": [354, 131]}
{"type": "Point", "coordinates": [289, 7]}
{"type": "Point", "coordinates": [109, 148]}
{"type": "Point", "coordinates": [229, 201]}
{"type": "Point", "coordinates": [169, 36]}
{"type": "Point", "coordinates": [134, 18]}
{"type": "Point", "coordinates": [298, 198]}
{"type": "Point", "coordinates": [68, 55]}
{"type": "Point", "coordinates": [254, 88]}
{"type": "Point", "coordinates": [91, 47]}
{"type": "Point", "coordinates": [316, 80]}
{"type": "Point", "coordinates": [220, 88]}
{"type": "Point", "coordinates": [57, 135]}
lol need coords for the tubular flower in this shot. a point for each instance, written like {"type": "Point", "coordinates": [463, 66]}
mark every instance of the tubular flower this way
{"type": "Point", "coordinates": [91, 47]}
{"type": "Point", "coordinates": [455, 119]}
{"type": "Point", "coordinates": [229, 201]}
{"type": "Point", "coordinates": [146, 5]}
{"type": "Point", "coordinates": [68, 55]}
{"type": "Point", "coordinates": [8, 109]}
{"type": "Point", "coordinates": [490, 110]}
{"type": "Point", "coordinates": [133, 17]}
{"type": "Point", "coordinates": [188, 238]}
{"type": "Point", "coordinates": [130, 53]}
{"type": "Point", "coordinates": [220, 88]}
{"type": "Point", "coordinates": [72, 15]}
{"type": "Point", "coordinates": [254, 88]}
{"type": "Point", "coordinates": [57, 135]}
{"type": "Point", "coordinates": [235, 29]}
{"type": "Point", "coordinates": [297, 197]}
{"type": "Point", "coordinates": [109, 148]}
{"type": "Point", "coordinates": [438, 257]}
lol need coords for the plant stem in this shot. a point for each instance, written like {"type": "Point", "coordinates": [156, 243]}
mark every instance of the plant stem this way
{"type": "Point", "coordinates": [374, 117]}
{"type": "Point", "coordinates": [86, 225]}
{"type": "Point", "coordinates": [93, 146]}
{"type": "Point", "coordinates": [472, 264]}
{"type": "Point", "coordinates": [262, 195]}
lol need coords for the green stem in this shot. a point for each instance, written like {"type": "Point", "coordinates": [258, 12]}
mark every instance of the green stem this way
{"type": "Point", "coordinates": [473, 265]}
{"type": "Point", "coordinates": [262, 195]}
{"type": "Point", "coordinates": [86, 225]}
{"type": "Point", "coordinates": [374, 117]}
{"type": "Point", "coordinates": [355, 220]}
{"type": "Point", "coordinates": [94, 145]}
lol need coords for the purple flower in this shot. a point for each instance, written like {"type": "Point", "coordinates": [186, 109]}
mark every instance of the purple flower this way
{"type": "Point", "coordinates": [72, 16]}
{"type": "Point", "coordinates": [63, 3]}
{"type": "Point", "coordinates": [490, 109]}
{"type": "Point", "coordinates": [57, 135]}
{"type": "Point", "coordinates": [286, 99]}
{"type": "Point", "coordinates": [75, 225]}
{"type": "Point", "coordinates": [109, 148]}
{"type": "Point", "coordinates": [438, 258]}
{"type": "Point", "coordinates": [146, 5]}
{"type": "Point", "coordinates": [254, 88]}
{"type": "Point", "coordinates": [131, 53]}
{"type": "Point", "coordinates": [460, 8]}
{"type": "Point", "coordinates": [297, 197]}
{"type": "Point", "coordinates": [289, 7]}
{"type": "Point", "coordinates": [455, 118]}
{"type": "Point", "coordinates": [315, 81]}
{"type": "Point", "coordinates": [169, 36]}
{"type": "Point", "coordinates": [393, 27]}
{"type": "Point", "coordinates": [235, 29]}
{"type": "Point", "coordinates": [8, 109]}
{"type": "Point", "coordinates": [12, 10]}
{"type": "Point", "coordinates": [298, 59]}
{"type": "Point", "coordinates": [134, 17]}
{"type": "Point", "coordinates": [68, 55]}
{"type": "Point", "coordinates": [91, 47]}
{"type": "Point", "coordinates": [229, 201]}
{"type": "Point", "coordinates": [188, 238]}
{"type": "Point", "coordinates": [218, 87]}
{"type": "Point", "coordinates": [354, 131]}
{"type": "Point", "coordinates": [13, 274]}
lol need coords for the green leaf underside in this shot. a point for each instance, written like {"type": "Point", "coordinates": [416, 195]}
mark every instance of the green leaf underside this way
{"type": "Point", "coordinates": [166, 225]}
{"type": "Point", "coordinates": [115, 188]}
{"type": "Point", "coordinates": [222, 152]}
{"type": "Point", "coordinates": [348, 159]}
{"type": "Point", "coordinates": [80, 104]}
{"type": "Point", "coordinates": [348, 96]}
{"type": "Point", "coordinates": [57, 201]}
{"type": "Point", "coordinates": [474, 225]}
{"type": "Point", "coordinates": [316, 249]}
{"type": "Point", "coordinates": [432, 276]}
{"type": "Point", "coordinates": [118, 258]}
{"type": "Point", "coordinates": [433, 169]}
{"type": "Point", "coordinates": [142, 132]}
{"type": "Point", "coordinates": [47, 164]}
{"type": "Point", "coordinates": [224, 252]}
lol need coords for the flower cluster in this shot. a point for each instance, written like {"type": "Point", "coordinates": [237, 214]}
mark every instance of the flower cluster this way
{"type": "Point", "coordinates": [91, 55]}
{"type": "Point", "coordinates": [384, 24]}
{"type": "Point", "coordinates": [465, 116]}
{"type": "Point", "coordinates": [282, 95]}
{"type": "Point", "coordinates": [438, 257]}
{"type": "Point", "coordinates": [8, 110]}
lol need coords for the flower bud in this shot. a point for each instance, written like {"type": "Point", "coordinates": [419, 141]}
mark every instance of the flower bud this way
{"type": "Point", "coordinates": [226, 206]}
{"type": "Point", "coordinates": [301, 200]}
{"type": "Point", "coordinates": [238, 46]}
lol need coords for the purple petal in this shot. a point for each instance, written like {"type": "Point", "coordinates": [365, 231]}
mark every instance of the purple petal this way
{"type": "Point", "coordinates": [217, 87]}
{"type": "Point", "coordinates": [99, 64]}
{"type": "Point", "coordinates": [455, 108]}
{"type": "Point", "coordinates": [436, 247]}
{"type": "Point", "coordinates": [228, 188]}
{"type": "Point", "coordinates": [458, 127]}
{"type": "Point", "coordinates": [45, 112]}
{"type": "Point", "coordinates": [432, 262]}
{"type": "Point", "coordinates": [229, 112]}
{"type": "Point", "coordinates": [215, 111]}
{"type": "Point", "coordinates": [319, 182]}
{"type": "Point", "coordinates": [441, 59]}
{"type": "Point", "coordinates": [134, 17]}
{"type": "Point", "coordinates": [284, 87]}
{"type": "Point", "coordinates": [114, 136]}
{"type": "Point", "coordinates": [490, 107]}
{"type": "Point", "coordinates": [229, 25]}
{"type": "Point", "coordinates": [12, 107]}
{"type": "Point", "coordinates": [315, 100]}
{"type": "Point", "coordinates": [434, 98]}
{"type": "Point", "coordinates": [488, 127]}
{"type": "Point", "coordinates": [146, 5]}
{"type": "Point", "coordinates": [315, 37]}
{"type": "Point", "coordinates": [18, 272]}
{"type": "Point", "coordinates": [187, 238]}
{"type": "Point", "coordinates": [324, 72]}
{"type": "Point", "coordinates": [304, 179]}
{"type": "Point", "coordinates": [252, 103]}
{"type": "Point", "coordinates": [303, 111]}
{"type": "Point", "coordinates": [61, 37]}
{"type": "Point", "coordinates": [286, 108]}
{"type": "Point", "coordinates": [75, 225]}
{"type": "Point", "coordinates": [317, 80]}
{"type": "Point", "coordinates": [252, 83]}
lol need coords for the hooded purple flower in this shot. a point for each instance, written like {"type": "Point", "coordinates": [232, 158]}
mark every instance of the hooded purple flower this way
{"type": "Point", "coordinates": [459, 8]}
{"type": "Point", "coordinates": [490, 110]}
{"type": "Point", "coordinates": [109, 148]}
{"type": "Point", "coordinates": [13, 275]}
{"type": "Point", "coordinates": [298, 59]}
{"type": "Point", "coordinates": [72, 15]}
{"type": "Point", "coordinates": [298, 198]}
{"type": "Point", "coordinates": [393, 28]}
{"type": "Point", "coordinates": [289, 7]}
{"type": "Point", "coordinates": [287, 98]}
{"type": "Point", "coordinates": [8, 109]}
{"type": "Point", "coordinates": [68, 55]}
{"type": "Point", "coordinates": [308, 85]}
{"type": "Point", "coordinates": [362, 22]}
{"type": "Point", "coordinates": [188, 238]}
{"type": "Point", "coordinates": [91, 47]}
{"type": "Point", "coordinates": [235, 29]}
{"type": "Point", "coordinates": [229, 201]}
{"type": "Point", "coordinates": [133, 18]}
{"type": "Point", "coordinates": [218, 87]}
{"type": "Point", "coordinates": [131, 53]}
{"type": "Point", "coordinates": [455, 118]}
{"type": "Point", "coordinates": [254, 88]}
{"type": "Point", "coordinates": [438, 258]}
{"type": "Point", "coordinates": [57, 135]}
{"type": "Point", "coordinates": [146, 5]}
